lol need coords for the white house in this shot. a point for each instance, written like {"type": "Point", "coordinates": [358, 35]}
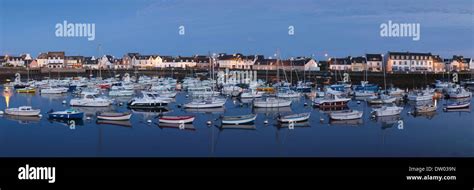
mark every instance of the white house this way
{"type": "Point", "coordinates": [409, 62]}
{"type": "Point", "coordinates": [312, 65]}
{"type": "Point", "coordinates": [236, 61]}
{"type": "Point", "coordinates": [55, 59]}
{"type": "Point", "coordinates": [340, 64]}
{"type": "Point", "coordinates": [178, 62]}
{"type": "Point", "coordinates": [374, 62]}
{"type": "Point", "coordinates": [458, 63]}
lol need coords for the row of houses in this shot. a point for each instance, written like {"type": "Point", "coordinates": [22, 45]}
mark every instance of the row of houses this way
{"type": "Point", "coordinates": [391, 62]}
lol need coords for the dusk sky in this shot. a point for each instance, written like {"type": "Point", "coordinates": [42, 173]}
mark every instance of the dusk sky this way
{"type": "Point", "coordinates": [335, 27]}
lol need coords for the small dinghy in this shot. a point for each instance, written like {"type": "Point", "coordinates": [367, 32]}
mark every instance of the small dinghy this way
{"type": "Point", "coordinates": [240, 119]}
{"type": "Point", "coordinates": [114, 116]}
{"type": "Point", "coordinates": [176, 119]}
{"type": "Point", "coordinates": [66, 114]}
{"type": "Point", "coordinates": [458, 105]}
{"type": "Point", "coordinates": [346, 115]}
{"type": "Point", "coordinates": [293, 118]}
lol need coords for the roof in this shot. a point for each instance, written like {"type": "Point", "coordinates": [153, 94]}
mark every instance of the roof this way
{"type": "Point", "coordinates": [409, 54]}
{"type": "Point", "coordinates": [340, 61]}
{"type": "Point", "coordinates": [373, 57]}
{"type": "Point", "coordinates": [360, 60]}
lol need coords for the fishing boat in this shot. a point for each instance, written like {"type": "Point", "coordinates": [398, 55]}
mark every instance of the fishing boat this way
{"type": "Point", "coordinates": [231, 90]}
{"type": "Point", "coordinates": [26, 90]}
{"type": "Point", "coordinates": [331, 101]}
{"type": "Point", "coordinates": [458, 105]}
{"type": "Point", "coordinates": [149, 100]}
{"type": "Point", "coordinates": [120, 91]}
{"type": "Point", "coordinates": [364, 93]}
{"type": "Point", "coordinates": [206, 103]}
{"type": "Point", "coordinates": [176, 119]}
{"type": "Point", "coordinates": [374, 100]}
{"type": "Point", "coordinates": [421, 96]}
{"type": "Point", "coordinates": [251, 94]}
{"type": "Point", "coordinates": [23, 111]}
{"type": "Point", "coordinates": [294, 117]}
{"type": "Point", "coordinates": [114, 116]}
{"type": "Point", "coordinates": [240, 119]}
{"type": "Point", "coordinates": [346, 115]}
{"type": "Point", "coordinates": [66, 114]}
{"type": "Point", "coordinates": [90, 100]}
{"type": "Point", "coordinates": [56, 90]}
{"type": "Point", "coordinates": [426, 108]}
{"type": "Point", "coordinates": [387, 99]}
{"type": "Point", "coordinates": [271, 103]}
{"type": "Point", "coordinates": [458, 93]}
{"type": "Point", "coordinates": [387, 111]}
{"type": "Point", "coordinates": [395, 92]}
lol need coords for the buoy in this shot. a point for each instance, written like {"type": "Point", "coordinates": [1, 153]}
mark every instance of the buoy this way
{"type": "Point", "coordinates": [1, 112]}
{"type": "Point", "coordinates": [121, 103]}
{"type": "Point", "coordinates": [358, 102]}
{"type": "Point", "coordinates": [409, 112]}
{"type": "Point", "coordinates": [234, 101]}
{"type": "Point", "coordinates": [148, 121]}
{"type": "Point", "coordinates": [209, 122]}
{"type": "Point", "coordinates": [241, 105]}
{"type": "Point", "coordinates": [266, 121]}
{"type": "Point", "coordinates": [40, 115]}
{"type": "Point", "coordinates": [321, 119]}
{"type": "Point", "coordinates": [305, 104]}
{"type": "Point", "coordinates": [444, 109]}
{"type": "Point", "coordinates": [88, 118]}
{"type": "Point", "coordinates": [187, 95]}
{"type": "Point", "coordinates": [64, 101]}
{"type": "Point", "coordinates": [373, 115]}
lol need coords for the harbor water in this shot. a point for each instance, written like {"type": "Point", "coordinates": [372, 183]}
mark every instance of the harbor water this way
{"type": "Point", "coordinates": [439, 134]}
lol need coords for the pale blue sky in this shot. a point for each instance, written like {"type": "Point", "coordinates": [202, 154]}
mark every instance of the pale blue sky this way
{"type": "Point", "coordinates": [336, 27]}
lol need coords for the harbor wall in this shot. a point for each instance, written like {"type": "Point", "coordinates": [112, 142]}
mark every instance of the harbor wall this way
{"type": "Point", "coordinates": [403, 80]}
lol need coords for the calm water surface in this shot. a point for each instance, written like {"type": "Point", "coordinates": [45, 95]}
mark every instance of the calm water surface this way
{"type": "Point", "coordinates": [438, 134]}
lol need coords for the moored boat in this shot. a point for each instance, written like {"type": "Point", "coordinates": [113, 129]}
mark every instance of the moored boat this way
{"type": "Point", "coordinates": [387, 111]}
{"type": "Point", "coordinates": [240, 119]}
{"type": "Point", "coordinates": [271, 103]}
{"type": "Point", "coordinates": [294, 117]}
{"type": "Point", "coordinates": [66, 114]}
{"type": "Point", "coordinates": [206, 103]}
{"type": "Point", "coordinates": [176, 119]}
{"type": "Point", "coordinates": [346, 115]}
{"type": "Point", "coordinates": [23, 111]}
{"type": "Point", "coordinates": [458, 105]}
{"type": "Point", "coordinates": [114, 116]}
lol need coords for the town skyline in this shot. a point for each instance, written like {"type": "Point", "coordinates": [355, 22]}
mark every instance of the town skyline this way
{"type": "Point", "coordinates": [337, 28]}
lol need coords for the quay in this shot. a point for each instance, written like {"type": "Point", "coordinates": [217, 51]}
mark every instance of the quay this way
{"type": "Point", "coordinates": [402, 80]}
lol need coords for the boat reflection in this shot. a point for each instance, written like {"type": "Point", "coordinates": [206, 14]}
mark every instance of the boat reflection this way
{"type": "Point", "coordinates": [205, 110]}
{"type": "Point", "coordinates": [272, 110]}
{"type": "Point", "coordinates": [427, 115]}
{"type": "Point", "coordinates": [352, 122]}
{"type": "Point", "coordinates": [188, 127]}
{"type": "Point", "coordinates": [333, 109]}
{"type": "Point", "coordinates": [116, 123]}
{"type": "Point", "coordinates": [91, 111]}
{"type": "Point", "coordinates": [22, 119]}
{"type": "Point", "coordinates": [68, 122]}
{"type": "Point", "coordinates": [388, 119]}
{"type": "Point", "coordinates": [150, 111]}
{"type": "Point", "coordinates": [242, 127]}
{"type": "Point", "coordinates": [287, 125]}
